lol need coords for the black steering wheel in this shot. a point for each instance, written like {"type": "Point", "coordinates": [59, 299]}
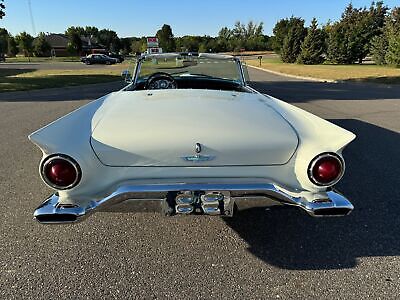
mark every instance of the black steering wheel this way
{"type": "Point", "coordinates": [160, 81]}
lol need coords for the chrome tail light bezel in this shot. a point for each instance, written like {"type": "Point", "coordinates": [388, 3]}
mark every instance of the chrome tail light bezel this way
{"type": "Point", "coordinates": [315, 160]}
{"type": "Point", "coordinates": [66, 158]}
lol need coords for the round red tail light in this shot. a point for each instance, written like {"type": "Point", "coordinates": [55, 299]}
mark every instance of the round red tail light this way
{"type": "Point", "coordinates": [326, 169]}
{"type": "Point", "coordinates": [61, 172]}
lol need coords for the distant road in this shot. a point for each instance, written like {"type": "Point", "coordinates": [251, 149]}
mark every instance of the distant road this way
{"type": "Point", "coordinates": [49, 66]}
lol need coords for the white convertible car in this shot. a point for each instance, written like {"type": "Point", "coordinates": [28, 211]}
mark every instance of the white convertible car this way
{"type": "Point", "coordinates": [187, 135]}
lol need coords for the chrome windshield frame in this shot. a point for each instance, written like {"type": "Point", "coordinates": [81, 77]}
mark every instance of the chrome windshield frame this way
{"type": "Point", "coordinates": [142, 58]}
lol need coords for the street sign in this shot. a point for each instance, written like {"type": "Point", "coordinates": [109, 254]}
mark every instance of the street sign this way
{"type": "Point", "coordinates": [154, 50]}
{"type": "Point", "coordinates": [152, 42]}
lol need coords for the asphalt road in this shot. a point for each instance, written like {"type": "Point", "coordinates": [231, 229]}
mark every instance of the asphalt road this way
{"type": "Point", "coordinates": [279, 253]}
{"type": "Point", "coordinates": [49, 66]}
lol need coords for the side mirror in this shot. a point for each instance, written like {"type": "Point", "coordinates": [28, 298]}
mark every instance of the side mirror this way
{"type": "Point", "coordinates": [126, 76]}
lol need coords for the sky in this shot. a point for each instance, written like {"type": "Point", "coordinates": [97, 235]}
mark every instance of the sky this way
{"type": "Point", "coordinates": [145, 17]}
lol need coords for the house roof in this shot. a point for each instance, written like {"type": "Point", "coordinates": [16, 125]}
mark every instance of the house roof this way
{"type": "Point", "coordinates": [59, 40]}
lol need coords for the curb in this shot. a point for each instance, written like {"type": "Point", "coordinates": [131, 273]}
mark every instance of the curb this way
{"type": "Point", "coordinates": [295, 76]}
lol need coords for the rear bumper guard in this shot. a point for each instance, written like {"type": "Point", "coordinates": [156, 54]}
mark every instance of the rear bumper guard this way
{"type": "Point", "coordinates": [238, 196]}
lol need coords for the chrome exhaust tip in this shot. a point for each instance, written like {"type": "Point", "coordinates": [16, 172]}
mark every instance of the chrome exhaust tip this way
{"type": "Point", "coordinates": [52, 212]}
{"type": "Point", "coordinates": [211, 203]}
{"type": "Point", "coordinates": [184, 209]}
{"type": "Point", "coordinates": [184, 203]}
{"type": "Point", "coordinates": [56, 218]}
{"type": "Point", "coordinates": [332, 212]}
{"type": "Point", "coordinates": [334, 205]}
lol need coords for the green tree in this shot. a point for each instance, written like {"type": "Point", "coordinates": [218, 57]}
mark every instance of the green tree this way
{"type": "Point", "coordinates": [188, 43]}
{"type": "Point", "coordinates": [350, 38]}
{"type": "Point", "coordinates": [126, 45]}
{"type": "Point", "coordinates": [91, 31]}
{"type": "Point", "coordinates": [203, 48]}
{"type": "Point", "coordinates": [2, 8]}
{"type": "Point", "coordinates": [248, 36]}
{"type": "Point", "coordinates": [12, 46]}
{"type": "Point", "coordinates": [313, 47]}
{"type": "Point", "coordinates": [292, 42]}
{"type": "Point", "coordinates": [139, 46]}
{"type": "Point", "coordinates": [74, 35]}
{"type": "Point", "coordinates": [280, 31]}
{"type": "Point", "coordinates": [338, 49]}
{"type": "Point", "coordinates": [75, 44]}
{"type": "Point", "coordinates": [166, 38]}
{"type": "Point", "coordinates": [379, 47]}
{"type": "Point", "coordinates": [75, 29]}
{"type": "Point", "coordinates": [3, 41]}
{"type": "Point", "coordinates": [224, 39]}
{"type": "Point", "coordinates": [392, 30]}
{"type": "Point", "coordinates": [40, 46]}
{"type": "Point", "coordinates": [109, 39]}
{"type": "Point", "coordinates": [25, 43]}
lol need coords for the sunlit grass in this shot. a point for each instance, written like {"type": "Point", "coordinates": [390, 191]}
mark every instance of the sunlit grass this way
{"type": "Point", "coordinates": [364, 72]}
{"type": "Point", "coordinates": [21, 79]}
{"type": "Point", "coordinates": [23, 59]}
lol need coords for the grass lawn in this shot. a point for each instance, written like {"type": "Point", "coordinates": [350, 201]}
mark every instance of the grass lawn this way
{"type": "Point", "coordinates": [22, 80]}
{"type": "Point", "coordinates": [23, 59]}
{"type": "Point", "coordinates": [362, 73]}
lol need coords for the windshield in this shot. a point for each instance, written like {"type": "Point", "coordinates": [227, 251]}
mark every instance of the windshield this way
{"type": "Point", "coordinates": [191, 66]}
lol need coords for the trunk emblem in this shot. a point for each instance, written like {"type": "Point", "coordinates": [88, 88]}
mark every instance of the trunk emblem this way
{"type": "Point", "coordinates": [197, 148]}
{"type": "Point", "coordinates": [198, 157]}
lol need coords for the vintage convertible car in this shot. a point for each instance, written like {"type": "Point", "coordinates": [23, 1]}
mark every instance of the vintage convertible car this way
{"type": "Point", "coordinates": [187, 135]}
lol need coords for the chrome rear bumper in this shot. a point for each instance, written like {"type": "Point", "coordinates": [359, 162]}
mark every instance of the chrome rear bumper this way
{"type": "Point", "coordinates": [156, 197]}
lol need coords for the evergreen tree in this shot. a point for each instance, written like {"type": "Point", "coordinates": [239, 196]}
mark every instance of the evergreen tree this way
{"type": "Point", "coordinates": [392, 30]}
{"type": "Point", "coordinates": [292, 42]}
{"type": "Point", "coordinates": [350, 38]}
{"type": "Point", "coordinates": [379, 47]}
{"type": "Point", "coordinates": [280, 31]}
{"type": "Point", "coordinates": [338, 50]}
{"type": "Point", "coordinates": [313, 47]}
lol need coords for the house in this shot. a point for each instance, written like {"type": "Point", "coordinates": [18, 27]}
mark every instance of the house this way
{"type": "Point", "coordinates": [59, 45]}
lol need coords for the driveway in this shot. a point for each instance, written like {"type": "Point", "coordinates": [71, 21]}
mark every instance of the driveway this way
{"type": "Point", "coordinates": [278, 253]}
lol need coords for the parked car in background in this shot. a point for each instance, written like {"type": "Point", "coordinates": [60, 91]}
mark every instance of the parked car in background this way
{"type": "Point", "coordinates": [190, 138]}
{"type": "Point", "coordinates": [98, 59]}
{"type": "Point", "coordinates": [118, 57]}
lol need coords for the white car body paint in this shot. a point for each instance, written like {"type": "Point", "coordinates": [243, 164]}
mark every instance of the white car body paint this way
{"type": "Point", "coordinates": [239, 155]}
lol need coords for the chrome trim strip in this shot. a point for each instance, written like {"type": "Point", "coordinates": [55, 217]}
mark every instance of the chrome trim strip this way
{"type": "Point", "coordinates": [330, 203]}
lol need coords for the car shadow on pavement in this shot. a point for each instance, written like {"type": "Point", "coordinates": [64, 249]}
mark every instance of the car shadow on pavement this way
{"type": "Point", "coordinates": [290, 239]}
{"type": "Point", "coordinates": [68, 93]}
